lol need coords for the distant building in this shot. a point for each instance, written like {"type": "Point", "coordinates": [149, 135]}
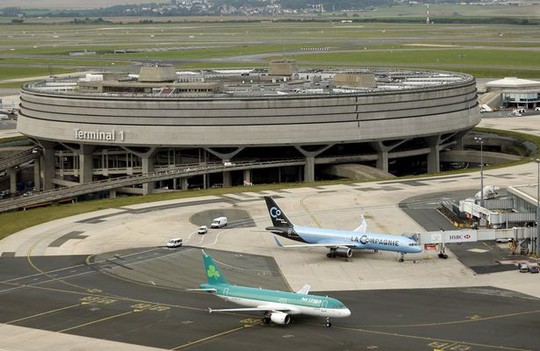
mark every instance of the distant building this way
{"type": "Point", "coordinates": [512, 92]}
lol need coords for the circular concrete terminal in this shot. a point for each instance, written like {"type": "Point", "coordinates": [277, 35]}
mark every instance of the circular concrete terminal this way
{"type": "Point", "coordinates": [110, 125]}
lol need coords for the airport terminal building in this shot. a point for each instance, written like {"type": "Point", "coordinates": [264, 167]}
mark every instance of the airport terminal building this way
{"type": "Point", "coordinates": [252, 125]}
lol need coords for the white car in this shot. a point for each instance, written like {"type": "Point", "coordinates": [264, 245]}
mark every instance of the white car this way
{"type": "Point", "coordinates": [175, 243]}
{"type": "Point", "coordinates": [202, 230]}
{"type": "Point", "coordinates": [523, 267]}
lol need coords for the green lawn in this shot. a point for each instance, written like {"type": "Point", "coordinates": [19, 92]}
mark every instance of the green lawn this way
{"type": "Point", "coordinates": [487, 50]}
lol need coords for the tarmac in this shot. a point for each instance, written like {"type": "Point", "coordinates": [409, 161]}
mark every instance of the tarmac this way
{"type": "Point", "coordinates": [103, 234]}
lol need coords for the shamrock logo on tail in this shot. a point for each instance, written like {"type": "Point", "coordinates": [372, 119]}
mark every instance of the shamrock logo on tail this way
{"type": "Point", "coordinates": [212, 272]}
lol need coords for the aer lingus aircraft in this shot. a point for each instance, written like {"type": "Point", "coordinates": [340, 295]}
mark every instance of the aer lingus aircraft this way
{"type": "Point", "coordinates": [276, 305]}
{"type": "Point", "coordinates": [340, 242]}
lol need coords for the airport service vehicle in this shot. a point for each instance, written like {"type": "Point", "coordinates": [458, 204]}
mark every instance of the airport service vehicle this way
{"type": "Point", "coordinates": [533, 268]}
{"type": "Point", "coordinates": [277, 306]}
{"type": "Point", "coordinates": [340, 242]}
{"type": "Point", "coordinates": [202, 229]}
{"type": "Point", "coordinates": [177, 242]}
{"type": "Point", "coordinates": [219, 222]}
{"type": "Point", "coordinates": [523, 267]}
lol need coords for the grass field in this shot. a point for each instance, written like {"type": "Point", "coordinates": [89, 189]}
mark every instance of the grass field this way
{"type": "Point", "coordinates": [481, 49]}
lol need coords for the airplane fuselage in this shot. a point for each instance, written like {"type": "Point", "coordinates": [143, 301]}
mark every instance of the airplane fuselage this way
{"type": "Point", "coordinates": [354, 240]}
{"type": "Point", "coordinates": [293, 303]}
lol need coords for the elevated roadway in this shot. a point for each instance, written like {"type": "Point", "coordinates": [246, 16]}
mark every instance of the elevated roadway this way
{"type": "Point", "coordinates": [18, 158]}
{"type": "Point", "coordinates": [51, 196]}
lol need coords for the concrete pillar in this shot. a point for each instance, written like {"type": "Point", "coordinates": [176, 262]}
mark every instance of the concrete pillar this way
{"type": "Point", "coordinates": [247, 177]}
{"type": "Point", "coordinates": [112, 193]}
{"type": "Point", "coordinates": [37, 173]}
{"type": "Point", "coordinates": [433, 158]}
{"type": "Point", "coordinates": [382, 160]}
{"type": "Point", "coordinates": [47, 167]}
{"type": "Point", "coordinates": [309, 169]}
{"type": "Point", "coordinates": [86, 163]}
{"type": "Point", "coordinates": [383, 151]}
{"type": "Point", "coordinates": [185, 183]}
{"type": "Point", "coordinates": [227, 182]}
{"type": "Point", "coordinates": [12, 173]}
{"type": "Point", "coordinates": [148, 168]}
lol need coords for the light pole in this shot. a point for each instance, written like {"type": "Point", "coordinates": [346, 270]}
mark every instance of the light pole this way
{"type": "Point", "coordinates": [480, 140]}
{"type": "Point", "coordinates": [537, 207]}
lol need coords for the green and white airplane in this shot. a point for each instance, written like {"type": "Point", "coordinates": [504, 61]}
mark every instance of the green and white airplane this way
{"type": "Point", "coordinates": [277, 306]}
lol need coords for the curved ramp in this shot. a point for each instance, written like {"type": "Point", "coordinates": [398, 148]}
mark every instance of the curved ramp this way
{"type": "Point", "coordinates": [473, 156]}
{"type": "Point", "coordinates": [357, 171]}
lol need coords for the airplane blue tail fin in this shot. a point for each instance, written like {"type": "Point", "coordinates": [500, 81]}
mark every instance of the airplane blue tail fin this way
{"type": "Point", "coordinates": [276, 214]}
{"type": "Point", "coordinates": [213, 273]}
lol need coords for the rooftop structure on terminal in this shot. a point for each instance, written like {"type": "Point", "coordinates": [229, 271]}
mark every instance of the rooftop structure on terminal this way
{"type": "Point", "coordinates": [281, 78]}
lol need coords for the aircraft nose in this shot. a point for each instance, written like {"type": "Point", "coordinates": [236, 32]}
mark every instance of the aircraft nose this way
{"type": "Point", "coordinates": [346, 312]}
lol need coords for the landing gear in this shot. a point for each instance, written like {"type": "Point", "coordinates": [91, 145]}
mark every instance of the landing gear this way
{"type": "Point", "coordinates": [266, 318]}
{"type": "Point", "coordinates": [442, 252]}
{"type": "Point", "coordinates": [401, 257]}
{"type": "Point", "coordinates": [328, 324]}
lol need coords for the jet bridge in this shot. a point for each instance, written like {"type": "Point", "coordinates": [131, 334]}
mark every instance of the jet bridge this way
{"type": "Point", "coordinates": [497, 212]}
{"type": "Point", "coordinates": [521, 237]}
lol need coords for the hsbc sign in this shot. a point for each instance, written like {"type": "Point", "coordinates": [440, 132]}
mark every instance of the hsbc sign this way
{"type": "Point", "coordinates": [453, 236]}
{"type": "Point", "coordinates": [458, 236]}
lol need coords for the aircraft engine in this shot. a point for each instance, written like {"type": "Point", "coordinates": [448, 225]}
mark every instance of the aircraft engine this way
{"type": "Point", "coordinates": [280, 318]}
{"type": "Point", "coordinates": [343, 252]}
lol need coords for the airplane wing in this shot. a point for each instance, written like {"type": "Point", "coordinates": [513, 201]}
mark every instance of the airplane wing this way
{"type": "Point", "coordinates": [363, 225]}
{"type": "Point", "coordinates": [332, 244]}
{"type": "Point", "coordinates": [261, 308]}
{"type": "Point", "coordinates": [212, 290]}
{"type": "Point", "coordinates": [304, 290]}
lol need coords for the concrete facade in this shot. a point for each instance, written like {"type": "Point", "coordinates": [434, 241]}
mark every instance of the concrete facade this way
{"type": "Point", "coordinates": [129, 127]}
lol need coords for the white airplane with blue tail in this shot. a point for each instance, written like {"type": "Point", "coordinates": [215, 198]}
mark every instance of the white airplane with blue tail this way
{"type": "Point", "coordinates": [340, 242]}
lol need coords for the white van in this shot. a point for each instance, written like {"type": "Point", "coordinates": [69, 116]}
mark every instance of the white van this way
{"type": "Point", "coordinates": [175, 242]}
{"type": "Point", "coordinates": [219, 222]}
